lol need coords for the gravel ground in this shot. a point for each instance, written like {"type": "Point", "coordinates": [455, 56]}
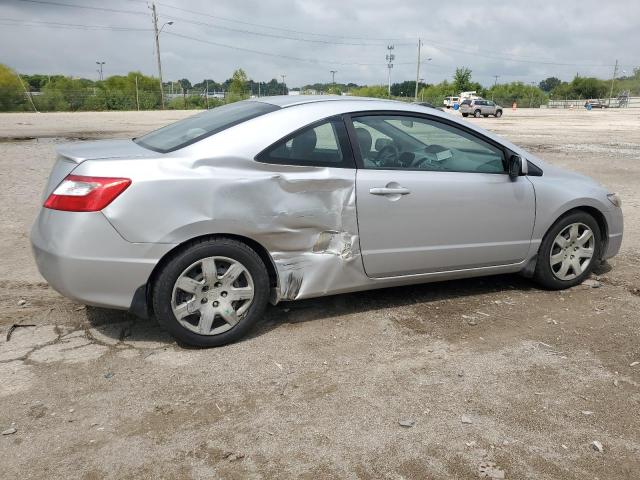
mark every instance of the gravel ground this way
{"type": "Point", "coordinates": [485, 377]}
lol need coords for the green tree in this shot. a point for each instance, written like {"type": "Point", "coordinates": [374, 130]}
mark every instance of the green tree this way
{"type": "Point", "coordinates": [11, 91]}
{"type": "Point", "coordinates": [238, 86]}
{"type": "Point", "coordinates": [548, 84]}
{"type": "Point", "coordinates": [462, 80]}
{"type": "Point", "coordinates": [211, 84]}
{"type": "Point", "coordinates": [185, 84]}
{"type": "Point", "coordinates": [524, 95]}
{"type": "Point", "coordinates": [65, 93]}
{"type": "Point", "coordinates": [406, 88]}
{"type": "Point", "coordinates": [435, 94]}
{"type": "Point", "coordinates": [589, 87]}
{"type": "Point", "coordinates": [376, 91]}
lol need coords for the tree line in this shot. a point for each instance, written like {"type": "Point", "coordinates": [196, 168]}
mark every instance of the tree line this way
{"type": "Point", "coordinates": [136, 91]}
{"type": "Point", "coordinates": [525, 95]}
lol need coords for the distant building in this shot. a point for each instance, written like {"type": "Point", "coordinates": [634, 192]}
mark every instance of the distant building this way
{"type": "Point", "coordinates": [294, 92]}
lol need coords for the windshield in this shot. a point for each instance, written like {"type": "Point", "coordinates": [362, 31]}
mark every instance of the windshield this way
{"type": "Point", "coordinates": [190, 130]}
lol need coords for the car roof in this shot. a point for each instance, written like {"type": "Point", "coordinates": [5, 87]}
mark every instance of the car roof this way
{"type": "Point", "coordinates": [290, 100]}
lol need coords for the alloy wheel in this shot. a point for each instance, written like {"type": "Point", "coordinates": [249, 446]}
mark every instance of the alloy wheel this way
{"type": "Point", "coordinates": [212, 295]}
{"type": "Point", "coordinates": [572, 251]}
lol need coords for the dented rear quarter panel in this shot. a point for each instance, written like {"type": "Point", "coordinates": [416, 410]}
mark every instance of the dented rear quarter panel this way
{"type": "Point", "coordinates": [305, 217]}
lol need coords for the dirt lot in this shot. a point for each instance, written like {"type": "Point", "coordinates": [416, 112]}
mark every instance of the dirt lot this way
{"type": "Point", "coordinates": [495, 375]}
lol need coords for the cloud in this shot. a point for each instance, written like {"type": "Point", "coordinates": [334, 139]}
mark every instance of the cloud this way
{"type": "Point", "coordinates": [517, 40]}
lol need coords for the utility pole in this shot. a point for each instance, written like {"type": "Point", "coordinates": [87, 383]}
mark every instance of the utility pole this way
{"type": "Point", "coordinates": [333, 77]}
{"type": "Point", "coordinates": [613, 79]}
{"type": "Point", "coordinates": [206, 93]}
{"type": "Point", "coordinates": [415, 97]}
{"type": "Point", "coordinates": [390, 58]}
{"type": "Point", "coordinates": [157, 33]}
{"type": "Point", "coordinates": [284, 85]}
{"type": "Point", "coordinates": [100, 64]}
{"type": "Point", "coordinates": [137, 97]}
{"type": "Point", "coordinates": [495, 82]}
{"type": "Point", "coordinates": [532, 90]}
{"type": "Point", "coordinates": [27, 93]}
{"type": "Point", "coordinates": [259, 89]}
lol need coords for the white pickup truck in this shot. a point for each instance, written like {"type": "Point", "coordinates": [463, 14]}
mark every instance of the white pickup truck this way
{"type": "Point", "coordinates": [449, 101]}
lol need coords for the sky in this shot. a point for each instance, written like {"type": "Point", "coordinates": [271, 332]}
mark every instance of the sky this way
{"type": "Point", "coordinates": [525, 40]}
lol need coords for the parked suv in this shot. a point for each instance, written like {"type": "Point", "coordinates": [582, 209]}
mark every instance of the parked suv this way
{"type": "Point", "coordinates": [479, 107]}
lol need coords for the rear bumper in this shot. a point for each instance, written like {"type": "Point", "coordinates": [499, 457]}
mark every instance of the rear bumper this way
{"type": "Point", "coordinates": [84, 258]}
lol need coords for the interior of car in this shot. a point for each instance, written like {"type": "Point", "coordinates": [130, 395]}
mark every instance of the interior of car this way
{"type": "Point", "coordinates": [392, 142]}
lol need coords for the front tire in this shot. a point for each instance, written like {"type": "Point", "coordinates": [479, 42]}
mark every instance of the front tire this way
{"type": "Point", "coordinates": [477, 113]}
{"type": "Point", "coordinates": [498, 113]}
{"type": "Point", "coordinates": [211, 293]}
{"type": "Point", "coordinates": [465, 115]}
{"type": "Point", "coordinates": [569, 251]}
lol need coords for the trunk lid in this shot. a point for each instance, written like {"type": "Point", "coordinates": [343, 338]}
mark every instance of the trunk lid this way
{"type": "Point", "coordinates": [71, 155]}
{"type": "Point", "coordinates": [104, 150]}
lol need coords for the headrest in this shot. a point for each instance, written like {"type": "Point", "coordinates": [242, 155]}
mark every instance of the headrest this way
{"type": "Point", "coordinates": [304, 144]}
{"type": "Point", "coordinates": [364, 140]}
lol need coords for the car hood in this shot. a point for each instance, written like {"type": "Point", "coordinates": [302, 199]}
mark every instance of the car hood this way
{"type": "Point", "coordinates": [104, 150]}
{"type": "Point", "coordinates": [552, 170]}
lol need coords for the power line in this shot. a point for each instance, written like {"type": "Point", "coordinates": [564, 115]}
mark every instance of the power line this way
{"type": "Point", "coordinates": [515, 59]}
{"type": "Point", "coordinates": [497, 55]}
{"type": "Point", "coordinates": [34, 23]}
{"type": "Point", "coordinates": [88, 7]}
{"type": "Point", "coordinates": [269, 54]}
{"type": "Point", "coordinates": [275, 35]}
{"type": "Point", "coordinates": [233, 20]}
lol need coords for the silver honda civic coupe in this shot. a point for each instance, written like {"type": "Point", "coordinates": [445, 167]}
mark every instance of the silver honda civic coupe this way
{"type": "Point", "coordinates": [203, 222]}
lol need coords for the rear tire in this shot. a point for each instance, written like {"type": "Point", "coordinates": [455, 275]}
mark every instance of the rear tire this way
{"type": "Point", "coordinates": [477, 113]}
{"type": "Point", "coordinates": [563, 260]}
{"type": "Point", "coordinates": [465, 115]}
{"type": "Point", "coordinates": [218, 287]}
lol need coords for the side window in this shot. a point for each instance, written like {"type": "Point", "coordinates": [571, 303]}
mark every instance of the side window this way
{"type": "Point", "coordinates": [322, 145]}
{"type": "Point", "coordinates": [414, 143]}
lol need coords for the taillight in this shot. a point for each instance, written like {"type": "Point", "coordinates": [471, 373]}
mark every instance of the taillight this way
{"type": "Point", "coordinates": [77, 193]}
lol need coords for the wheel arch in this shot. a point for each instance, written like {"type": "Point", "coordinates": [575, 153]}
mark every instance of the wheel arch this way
{"type": "Point", "coordinates": [598, 216]}
{"type": "Point", "coordinates": [141, 304]}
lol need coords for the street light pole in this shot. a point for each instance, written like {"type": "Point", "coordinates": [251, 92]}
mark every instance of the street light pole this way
{"type": "Point", "coordinates": [333, 77]}
{"type": "Point", "coordinates": [284, 85]}
{"type": "Point", "coordinates": [100, 64]}
{"type": "Point", "coordinates": [390, 57]}
{"type": "Point", "coordinates": [415, 96]}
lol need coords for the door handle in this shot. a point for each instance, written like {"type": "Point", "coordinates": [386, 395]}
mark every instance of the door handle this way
{"type": "Point", "coordinates": [389, 191]}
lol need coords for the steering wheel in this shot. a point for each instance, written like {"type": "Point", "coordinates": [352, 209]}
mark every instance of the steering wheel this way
{"type": "Point", "coordinates": [387, 156]}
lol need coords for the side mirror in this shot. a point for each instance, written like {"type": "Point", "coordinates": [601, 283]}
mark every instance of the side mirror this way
{"type": "Point", "coordinates": [515, 166]}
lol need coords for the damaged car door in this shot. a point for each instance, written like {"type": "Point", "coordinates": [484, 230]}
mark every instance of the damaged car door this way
{"type": "Point", "coordinates": [433, 197]}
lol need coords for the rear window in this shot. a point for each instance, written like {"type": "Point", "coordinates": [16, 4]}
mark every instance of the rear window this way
{"type": "Point", "coordinates": [466, 102]}
{"type": "Point", "coordinates": [190, 130]}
